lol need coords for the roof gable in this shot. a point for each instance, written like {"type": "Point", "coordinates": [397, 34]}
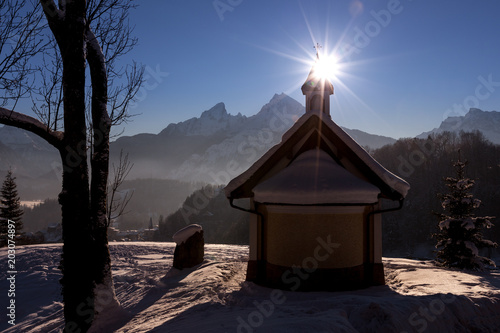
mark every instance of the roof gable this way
{"type": "Point", "coordinates": [314, 130]}
{"type": "Point", "coordinates": [315, 178]}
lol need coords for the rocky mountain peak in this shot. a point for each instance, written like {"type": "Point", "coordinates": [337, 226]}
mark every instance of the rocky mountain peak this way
{"type": "Point", "coordinates": [488, 122]}
{"type": "Point", "coordinates": [475, 111]}
{"type": "Point", "coordinates": [217, 112]}
{"type": "Point", "coordinates": [211, 121]}
{"type": "Point", "coordinates": [281, 101]}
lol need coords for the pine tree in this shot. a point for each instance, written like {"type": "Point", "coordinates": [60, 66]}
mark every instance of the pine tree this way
{"type": "Point", "coordinates": [10, 204]}
{"type": "Point", "coordinates": [460, 232]}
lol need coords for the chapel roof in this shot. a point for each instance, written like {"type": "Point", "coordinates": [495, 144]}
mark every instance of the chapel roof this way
{"type": "Point", "coordinates": [315, 178]}
{"type": "Point", "coordinates": [315, 131]}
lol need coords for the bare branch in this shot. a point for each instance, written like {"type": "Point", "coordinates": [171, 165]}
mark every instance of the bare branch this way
{"type": "Point", "coordinates": [48, 98]}
{"type": "Point", "coordinates": [12, 118]}
{"type": "Point", "coordinates": [20, 29]}
{"type": "Point", "coordinates": [117, 206]}
{"type": "Point", "coordinates": [122, 96]}
{"type": "Point", "coordinates": [108, 19]}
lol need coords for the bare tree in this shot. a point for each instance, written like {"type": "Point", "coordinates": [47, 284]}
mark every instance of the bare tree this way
{"type": "Point", "coordinates": [118, 200]}
{"type": "Point", "coordinates": [93, 33]}
{"type": "Point", "coordinates": [19, 41]}
{"type": "Point", "coordinates": [48, 97]}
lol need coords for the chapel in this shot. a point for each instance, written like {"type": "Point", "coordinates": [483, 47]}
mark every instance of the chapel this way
{"type": "Point", "coordinates": [316, 204]}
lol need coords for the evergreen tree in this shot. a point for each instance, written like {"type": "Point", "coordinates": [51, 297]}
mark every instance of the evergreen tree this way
{"type": "Point", "coordinates": [10, 204]}
{"type": "Point", "coordinates": [460, 232]}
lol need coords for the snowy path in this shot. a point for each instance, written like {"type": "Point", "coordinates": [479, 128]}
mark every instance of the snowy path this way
{"type": "Point", "coordinates": [214, 297]}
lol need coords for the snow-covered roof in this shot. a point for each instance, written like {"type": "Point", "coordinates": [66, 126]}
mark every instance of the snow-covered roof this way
{"type": "Point", "coordinates": [314, 177]}
{"type": "Point", "coordinates": [313, 130]}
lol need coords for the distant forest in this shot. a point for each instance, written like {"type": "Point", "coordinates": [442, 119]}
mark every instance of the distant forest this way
{"type": "Point", "coordinates": [422, 162]}
{"type": "Point", "coordinates": [209, 208]}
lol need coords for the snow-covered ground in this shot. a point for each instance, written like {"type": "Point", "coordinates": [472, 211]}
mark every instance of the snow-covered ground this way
{"type": "Point", "coordinates": [213, 297]}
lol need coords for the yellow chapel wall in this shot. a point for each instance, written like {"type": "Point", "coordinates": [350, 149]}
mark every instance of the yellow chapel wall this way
{"type": "Point", "coordinates": [332, 236]}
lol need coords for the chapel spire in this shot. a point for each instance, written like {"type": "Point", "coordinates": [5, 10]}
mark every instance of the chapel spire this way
{"type": "Point", "coordinates": [317, 88]}
{"type": "Point", "coordinates": [317, 47]}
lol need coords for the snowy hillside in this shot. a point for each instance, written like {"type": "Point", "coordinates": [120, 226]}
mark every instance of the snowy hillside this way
{"type": "Point", "coordinates": [214, 297]}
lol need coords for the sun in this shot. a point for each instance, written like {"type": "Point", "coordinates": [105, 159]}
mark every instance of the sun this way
{"type": "Point", "coordinates": [326, 67]}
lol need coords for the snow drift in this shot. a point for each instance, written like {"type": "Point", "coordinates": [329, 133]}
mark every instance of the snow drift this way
{"type": "Point", "coordinates": [213, 297]}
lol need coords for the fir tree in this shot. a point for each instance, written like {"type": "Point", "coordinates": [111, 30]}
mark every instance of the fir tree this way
{"type": "Point", "coordinates": [460, 232]}
{"type": "Point", "coordinates": [10, 204]}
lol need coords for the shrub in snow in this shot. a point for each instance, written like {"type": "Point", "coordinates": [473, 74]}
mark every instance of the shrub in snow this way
{"type": "Point", "coordinates": [460, 232]}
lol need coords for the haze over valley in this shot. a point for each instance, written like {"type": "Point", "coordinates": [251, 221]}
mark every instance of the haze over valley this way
{"type": "Point", "coordinates": [213, 148]}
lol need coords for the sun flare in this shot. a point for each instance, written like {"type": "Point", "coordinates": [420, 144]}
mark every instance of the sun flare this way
{"type": "Point", "coordinates": [326, 67]}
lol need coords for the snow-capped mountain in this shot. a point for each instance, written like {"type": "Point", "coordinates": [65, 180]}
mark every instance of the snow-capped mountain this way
{"type": "Point", "coordinates": [214, 147]}
{"type": "Point", "coordinates": [218, 146]}
{"type": "Point", "coordinates": [210, 122]}
{"type": "Point", "coordinates": [199, 148]}
{"type": "Point", "coordinates": [243, 144]}
{"type": "Point", "coordinates": [488, 122]}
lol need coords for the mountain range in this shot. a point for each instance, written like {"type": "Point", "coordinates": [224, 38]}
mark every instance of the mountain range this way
{"type": "Point", "coordinates": [212, 148]}
{"type": "Point", "coordinates": [488, 122]}
{"type": "Point", "coordinates": [218, 146]}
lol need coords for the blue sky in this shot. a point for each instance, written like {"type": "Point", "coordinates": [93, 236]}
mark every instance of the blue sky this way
{"type": "Point", "coordinates": [404, 65]}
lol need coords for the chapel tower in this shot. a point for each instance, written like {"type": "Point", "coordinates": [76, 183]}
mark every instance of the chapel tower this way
{"type": "Point", "coordinates": [317, 89]}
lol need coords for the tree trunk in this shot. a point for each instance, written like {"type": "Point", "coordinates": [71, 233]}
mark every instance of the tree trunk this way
{"type": "Point", "coordinates": [105, 297]}
{"type": "Point", "coordinates": [87, 284]}
{"type": "Point", "coordinates": [76, 262]}
{"type": "Point", "coordinates": [76, 266]}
